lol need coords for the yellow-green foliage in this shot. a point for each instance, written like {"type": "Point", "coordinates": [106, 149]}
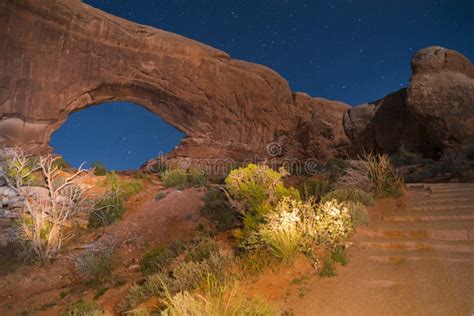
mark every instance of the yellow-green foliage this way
{"type": "Point", "coordinates": [217, 298]}
{"type": "Point", "coordinates": [349, 194]}
{"type": "Point", "coordinates": [181, 178]}
{"type": "Point", "coordinates": [295, 225]}
{"type": "Point", "coordinates": [257, 188]}
{"type": "Point", "coordinates": [283, 230]}
{"type": "Point", "coordinates": [385, 179]}
{"type": "Point", "coordinates": [22, 173]}
{"type": "Point", "coordinates": [333, 222]}
{"type": "Point", "coordinates": [84, 308]}
{"type": "Point", "coordinates": [124, 187]}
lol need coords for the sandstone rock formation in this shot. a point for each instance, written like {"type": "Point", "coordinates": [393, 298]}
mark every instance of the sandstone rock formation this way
{"type": "Point", "coordinates": [60, 56]}
{"type": "Point", "coordinates": [434, 113]}
{"type": "Point", "coordinates": [441, 95]}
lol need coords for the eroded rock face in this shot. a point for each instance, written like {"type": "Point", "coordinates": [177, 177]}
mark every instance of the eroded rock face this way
{"type": "Point", "coordinates": [61, 56]}
{"type": "Point", "coordinates": [435, 112]}
{"type": "Point", "coordinates": [386, 126]}
{"type": "Point", "coordinates": [441, 95]}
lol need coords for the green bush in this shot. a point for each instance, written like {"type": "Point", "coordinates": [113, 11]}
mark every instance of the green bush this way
{"type": "Point", "coordinates": [349, 194]}
{"type": "Point", "coordinates": [174, 178]}
{"type": "Point", "coordinates": [338, 254]}
{"type": "Point", "coordinates": [99, 168]}
{"type": "Point", "coordinates": [336, 165]}
{"type": "Point", "coordinates": [316, 188]}
{"type": "Point", "coordinates": [216, 298]}
{"type": "Point", "coordinates": [196, 177]}
{"type": "Point", "coordinates": [107, 210]}
{"type": "Point", "coordinates": [157, 260]}
{"type": "Point", "coordinates": [217, 208]}
{"type": "Point", "coordinates": [358, 213]}
{"type": "Point", "coordinates": [257, 189]}
{"type": "Point", "coordinates": [84, 308]}
{"type": "Point", "coordinates": [124, 187]}
{"type": "Point", "coordinates": [327, 270]}
{"type": "Point", "coordinates": [94, 266]}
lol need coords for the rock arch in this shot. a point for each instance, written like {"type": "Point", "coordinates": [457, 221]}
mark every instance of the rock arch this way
{"type": "Point", "coordinates": [60, 56]}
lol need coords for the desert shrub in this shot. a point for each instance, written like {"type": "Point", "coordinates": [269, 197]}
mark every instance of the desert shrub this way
{"type": "Point", "coordinates": [160, 195]}
{"type": "Point", "coordinates": [124, 187]}
{"type": "Point", "coordinates": [285, 240]}
{"type": "Point", "coordinates": [253, 262]}
{"type": "Point", "coordinates": [201, 259]}
{"type": "Point", "coordinates": [255, 190]}
{"type": "Point", "coordinates": [408, 159]}
{"type": "Point", "coordinates": [99, 168]}
{"type": "Point", "coordinates": [196, 177]}
{"type": "Point", "coordinates": [358, 213]}
{"type": "Point", "coordinates": [107, 210]}
{"type": "Point", "coordinates": [327, 270]}
{"type": "Point", "coordinates": [349, 194]}
{"type": "Point", "coordinates": [338, 254]}
{"type": "Point", "coordinates": [382, 175]}
{"type": "Point", "coordinates": [455, 161]}
{"type": "Point", "coordinates": [295, 225]}
{"type": "Point", "coordinates": [216, 298]}
{"type": "Point", "coordinates": [217, 209]}
{"type": "Point", "coordinates": [336, 165]}
{"type": "Point", "coordinates": [95, 266]}
{"type": "Point", "coordinates": [356, 176]}
{"type": "Point", "coordinates": [316, 188]}
{"type": "Point", "coordinates": [157, 260]}
{"type": "Point", "coordinates": [42, 219]}
{"type": "Point", "coordinates": [333, 223]}
{"type": "Point", "coordinates": [84, 308]}
{"type": "Point", "coordinates": [174, 178]}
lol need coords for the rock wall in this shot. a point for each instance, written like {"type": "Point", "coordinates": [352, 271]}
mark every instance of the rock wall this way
{"type": "Point", "coordinates": [435, 112]}
{"type": "Point", "coordinates": [60, 56]}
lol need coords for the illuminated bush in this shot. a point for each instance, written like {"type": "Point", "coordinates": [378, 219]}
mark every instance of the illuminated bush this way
{"type": "Point", "coordinates": [333, 223]}
{"type": "Point", "coordinates": [216, 298]}
{"type": "Point", "coordinates": [256, 189]}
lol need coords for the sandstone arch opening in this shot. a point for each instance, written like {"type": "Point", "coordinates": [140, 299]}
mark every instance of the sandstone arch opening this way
{"type": "Point", "coordinates": [120, 134]}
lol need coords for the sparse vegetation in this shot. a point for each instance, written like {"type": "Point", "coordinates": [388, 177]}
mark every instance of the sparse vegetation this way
{"type": "Point", "coordinates": [99, 168]}
{"type": "Point", "coordinates": [160, 195]}
{"type": "Point", "coordinates": [316, 188]}
{"type": "Point", "coordinates": [84, 308]}
{"type": "Point", "coordinates": [339, 255]}
{"type": "Point", "coordinates": [256, 189]}
{"type": "Point", "coordinates": [215, 298]}
{"type": "Point", "coordinates": [174, 178]}
{"type": "Point", "coordinates": [218, 209]}
{"type": "Point", "coordinates": [327, 270]}
{"type": "Point", "coordinates": [350, 194]}
{"type": "Point", "coordinates": [384, 178]}
{"type": "Point", "coordinates": [95, 266]}
{"type": "Point", "coordinates": [41, 227]}
{"type": "Point", "coordinates": [110, 207]}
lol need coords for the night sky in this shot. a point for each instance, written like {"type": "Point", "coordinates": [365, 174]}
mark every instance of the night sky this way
{"type": "Point", "coordinates": [353, 51]}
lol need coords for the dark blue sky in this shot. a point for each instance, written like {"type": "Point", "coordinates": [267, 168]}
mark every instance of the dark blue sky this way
{"type": "Point", "coordinates": [353, 51]}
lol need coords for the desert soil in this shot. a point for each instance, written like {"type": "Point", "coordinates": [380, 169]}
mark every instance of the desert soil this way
{"type": "Point", "coordinates": [414, 258]}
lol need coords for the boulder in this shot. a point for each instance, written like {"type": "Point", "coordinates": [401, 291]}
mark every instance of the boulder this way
{"type": "Point", "coordinates": [441, 96]}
